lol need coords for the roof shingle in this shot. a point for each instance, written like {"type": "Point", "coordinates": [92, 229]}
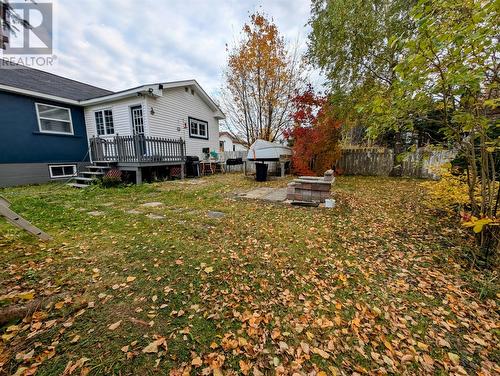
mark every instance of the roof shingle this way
{"type": "Point", "coordinates": [22, 77]}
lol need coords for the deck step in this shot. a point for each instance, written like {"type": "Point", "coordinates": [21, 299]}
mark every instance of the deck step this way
{"type": "Point", "coordinates": [82, 178]}
{"type": "Point", "coordinates": [92, 167]}
{"type": "Point", "coordinates": [93, 173]}
{"type": "Point", "coordinates": [77, 185]}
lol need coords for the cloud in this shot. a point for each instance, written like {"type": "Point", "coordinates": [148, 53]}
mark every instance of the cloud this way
{"type": "Point", "coordinates": [117, 44]}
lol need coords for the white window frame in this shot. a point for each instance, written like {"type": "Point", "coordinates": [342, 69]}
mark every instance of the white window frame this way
{"type": "Point", "coordinates": [46, 118]}
{"type": "Point", "coordinates": [62, 176]}
{"type": "Point", "coordinates": [198, 122]}
{"type": "Point", "coordinates": [104, 122]}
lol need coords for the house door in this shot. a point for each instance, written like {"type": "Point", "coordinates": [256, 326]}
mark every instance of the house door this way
{"type": "Point", "coordinates": [138, 130]}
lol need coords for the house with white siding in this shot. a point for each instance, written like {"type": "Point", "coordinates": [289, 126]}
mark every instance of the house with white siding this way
{"type": "Point", "coordinates": [227, 142]}
{"type": "Point", "coordinates": [152, 126]}
{"type": "Point", "coordinates": [172, 110]}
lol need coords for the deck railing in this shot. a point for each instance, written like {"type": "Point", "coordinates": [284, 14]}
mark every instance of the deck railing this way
{"type": "Point", "coordinates": [137, 149]}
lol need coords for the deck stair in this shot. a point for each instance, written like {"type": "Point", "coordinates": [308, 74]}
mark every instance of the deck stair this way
{"type": "Point", "coordinates": [90, 175]}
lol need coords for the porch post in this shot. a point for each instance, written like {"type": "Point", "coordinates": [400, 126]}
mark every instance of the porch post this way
{"type": "Point", "coordinates": [138, 176]}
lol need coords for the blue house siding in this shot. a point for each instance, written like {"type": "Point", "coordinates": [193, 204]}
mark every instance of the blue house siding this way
{"type": "Point", "coordinates": [25, 152]}
{"type": "Point", "coordinates": [22, 142]}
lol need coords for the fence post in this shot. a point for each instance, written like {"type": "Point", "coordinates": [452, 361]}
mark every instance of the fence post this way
{"type": "Point", "coordinates": [91, 148]}
{"type": "Point", "coordinates": [118, 147]}
{"type": "Point", "coordinates": [183, 146]}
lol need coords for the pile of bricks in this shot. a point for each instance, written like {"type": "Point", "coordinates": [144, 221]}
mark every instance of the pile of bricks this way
{"type": "Point", "coordinates": [310, 189]}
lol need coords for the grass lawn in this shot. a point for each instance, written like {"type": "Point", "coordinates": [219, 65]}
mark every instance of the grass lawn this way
{"type": "Point", "coordinates": [374, 285]}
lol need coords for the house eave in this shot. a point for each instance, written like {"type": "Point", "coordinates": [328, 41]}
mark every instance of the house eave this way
{"type": "Point", "coordinates": [153, 90]}
{"type": "Point", "coordinates": [137, 91]}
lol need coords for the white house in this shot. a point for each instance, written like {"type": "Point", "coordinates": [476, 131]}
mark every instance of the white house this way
{"type": "Point", "coordinates": [227, 142]}
{"type": "Point", "coordinates": [151, 127]}
{"type": "Point", "coordinates": [172, 110]}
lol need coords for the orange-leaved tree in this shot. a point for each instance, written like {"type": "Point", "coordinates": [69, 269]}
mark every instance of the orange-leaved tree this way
{"type": "Point", "coordinates": [315, 135]}
{"type": "Point", "coordinates": [263, 72]}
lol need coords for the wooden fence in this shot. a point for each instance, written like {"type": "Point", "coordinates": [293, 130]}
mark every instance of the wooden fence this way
{"type": "Point", "coordinates": [137, 149]}
{"type": "Point", "coordinates": [374, 161]}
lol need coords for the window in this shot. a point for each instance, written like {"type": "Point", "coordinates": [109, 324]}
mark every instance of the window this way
{"type": "Point", "coordinates": [221, 146]}
{"type": "Point", "coordinates": [104, 122]}
{"type": "Point", "coordinates": [62, 171]}
{"type": "Point", "coordinates": [198, 128]}
{"type": "Point", "coordinates": [54, 119]}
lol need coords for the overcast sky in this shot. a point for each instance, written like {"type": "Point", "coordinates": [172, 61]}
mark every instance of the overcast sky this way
{"type": "Point", "coordinates": [118, 44]}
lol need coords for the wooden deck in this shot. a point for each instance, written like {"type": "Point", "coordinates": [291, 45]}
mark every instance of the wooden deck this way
{"type": "Point", "coordinates": [132, 153]}
{"type": "Point", "coordinates": [138, 150]}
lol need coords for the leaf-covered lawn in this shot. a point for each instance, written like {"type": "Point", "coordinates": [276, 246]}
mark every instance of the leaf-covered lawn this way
{"type": "Point", "coordinates": [372, 286]}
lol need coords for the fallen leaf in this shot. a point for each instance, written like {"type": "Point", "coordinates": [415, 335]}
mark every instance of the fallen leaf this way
{"type": "Point", "coordinates": [454, 358]}
{"type": "Point", "coordinates": [245, 367]}
{"type": "Point", "coordinates": [320, 352]}
{"type": "Point", "coordinates": [26, 295]}
{"type": "Point", "coordinates": [153, 346]}
{"type": "Point", "coordinates": [131, 279]}
{"type": "Point", "coordinates": [422, 346]}
{"type": "Point", "coordinates": [305, 348]}
{"type": "Point", "coordinates": [75, 339]}
{"type": "Point", "coordinates": [214, 345]}
{"type": "Point", "coordinates": [197, 362]}
{"type": "Point", "coordinates": [115, 325]}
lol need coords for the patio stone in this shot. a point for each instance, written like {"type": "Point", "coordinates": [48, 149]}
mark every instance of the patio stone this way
{"type": "Point", "coordinates": [152, 204]}
{"type": "Point", "coordinates": [155, 216]}
{"type": "Point", "coordinates": [215, 214]}
{"type": "Point", "coordinates": [266, 194]}
{"type": "Point", "coordinates": [95, 213]}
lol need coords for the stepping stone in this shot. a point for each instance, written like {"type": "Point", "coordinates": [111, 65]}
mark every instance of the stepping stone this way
{"type": "Point", "coordinates": [215, 214]}
{"type": "Point", "coordinates": [95, 213]}
{"type": "Point", "coordinates": [266, 194]}
{"type": "Point", "coordinates": [155, 216]}
{"type": "Point", "coordinates": [133, 211]}
{"type": "Point", "coordinates": [152, 204]}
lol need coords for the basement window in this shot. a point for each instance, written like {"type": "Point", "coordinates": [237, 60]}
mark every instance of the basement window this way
{"type": "Point", "coordinates": [54, 119]}
{"type": "Point", "coordinates": [198, 128]}
{"type": "Point", "coordinates": [62, 171]}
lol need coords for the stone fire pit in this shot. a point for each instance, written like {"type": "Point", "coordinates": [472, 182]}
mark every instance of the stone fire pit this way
{"type": "Point", "coordinates": [310, 189]}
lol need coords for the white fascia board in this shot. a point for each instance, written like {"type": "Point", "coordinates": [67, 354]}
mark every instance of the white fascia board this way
{"type": "Point", "coordinates": [141, 90]}
{"type": "Point", "coordinates": [36, 94]}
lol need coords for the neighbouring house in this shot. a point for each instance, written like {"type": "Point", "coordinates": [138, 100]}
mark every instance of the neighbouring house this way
{"type": "Point", "coordinates": [50, 127]}
{"type": "Point", "coordinates": [227, 142]}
